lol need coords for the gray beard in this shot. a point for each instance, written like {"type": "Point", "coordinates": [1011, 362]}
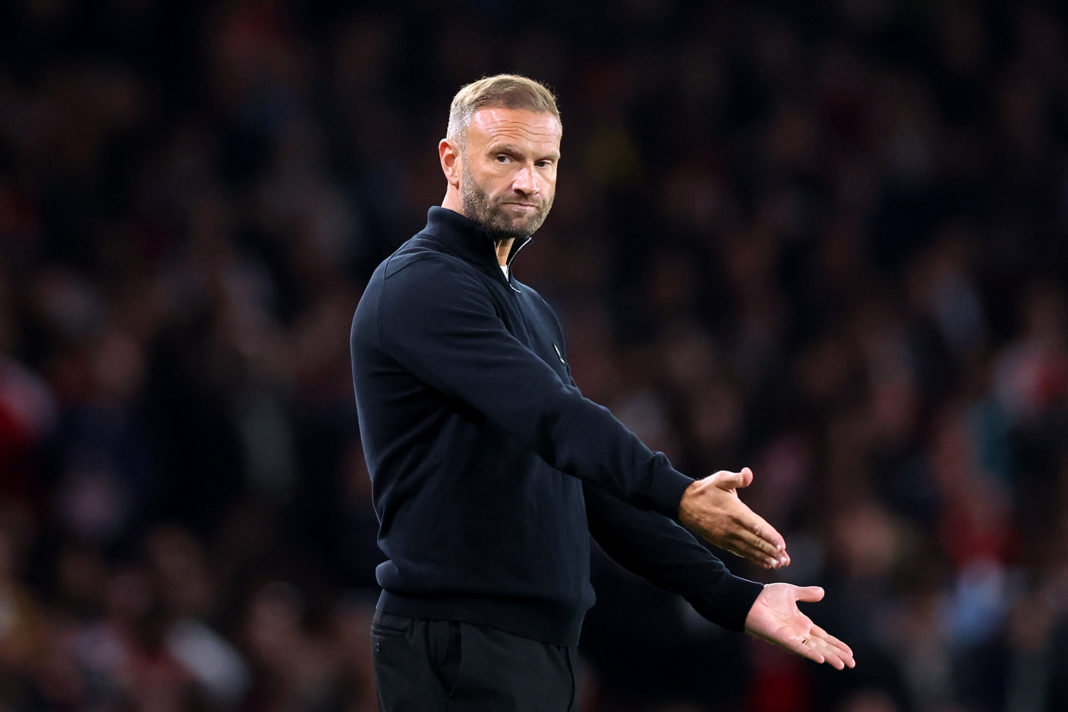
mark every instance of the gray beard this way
{"type": "Point", "coordinates": [493, 218]}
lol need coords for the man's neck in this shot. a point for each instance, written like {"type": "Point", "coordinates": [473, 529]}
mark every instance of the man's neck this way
{"type": "Point", "coordinates": [504, 248]}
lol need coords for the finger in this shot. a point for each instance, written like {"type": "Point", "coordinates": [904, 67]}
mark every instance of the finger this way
{"type": "Point", "coordinates": [727, 480]}
{"type": "Point", "coordinates": [840, 658]}
{"type": "Point", "coordinates": [827, 649]}
{"type": "Point", "coordinates": [755, 529]}
{"type": "Point", "coordinates": [833, 655]}
{"type": "Point", "coordinates": [833, 646]}
{"type": "Point", "coordinates": [730, 480]}
{"type": "Point", "coordinates": [822, 634]}
{"type": "Point", "coordinates": [754, 554]}
{"type": "Point", "coordinates": [834, 650]}
{"type": "Point", "coordinates": [810, 594]}
{"type": "Point", "coordinates": [807, 648]}
{"type": "Point", "coordinates": [761, 540]}
{"type": "Point", "coordinates": [758, 552]}
{"type": "Point", "coordinates": [746, 476]}
{"type": "Point", "coordinates": [768, 539]}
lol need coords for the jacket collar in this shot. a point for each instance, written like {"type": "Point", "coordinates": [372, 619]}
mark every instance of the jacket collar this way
{"type": "Point", "coordinates": [467, 239]}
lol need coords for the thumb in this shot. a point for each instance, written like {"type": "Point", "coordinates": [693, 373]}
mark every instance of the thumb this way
{"type": "Point", "coordinates": [727, 480]}
{"type": "Point", "coordinates": [810, 594]}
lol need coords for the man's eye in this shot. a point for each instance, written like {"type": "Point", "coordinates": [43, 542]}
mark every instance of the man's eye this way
{"type": "Point", "coordinates": [502, 159]}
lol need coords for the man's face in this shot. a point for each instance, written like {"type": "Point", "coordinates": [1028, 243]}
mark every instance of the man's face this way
{"type": "Point", "coordinates": [509, 166]}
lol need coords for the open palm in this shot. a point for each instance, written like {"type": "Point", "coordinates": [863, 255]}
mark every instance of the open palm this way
{"type": "Point", "coordinates": [776, 618]}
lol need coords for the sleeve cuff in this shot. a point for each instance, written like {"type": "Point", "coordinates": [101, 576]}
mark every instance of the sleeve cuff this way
{"type": "Point", "coordinates": [728, 604]}
{"type": "Point", "coordinates": [666, 491]}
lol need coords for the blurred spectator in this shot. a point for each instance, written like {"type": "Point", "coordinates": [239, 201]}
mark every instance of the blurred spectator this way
{"type": "Point", "coordinates": [825, 241]}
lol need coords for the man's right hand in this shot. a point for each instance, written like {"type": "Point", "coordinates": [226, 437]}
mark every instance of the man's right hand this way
{"type": "Point", "coordinates": [712, 508]}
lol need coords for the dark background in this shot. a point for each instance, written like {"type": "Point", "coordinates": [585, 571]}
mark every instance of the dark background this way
{"type": "Point", "coordinates": [826, 240]}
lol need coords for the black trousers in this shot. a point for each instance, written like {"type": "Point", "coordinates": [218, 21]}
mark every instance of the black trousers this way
{"type": "Point", "coordinates": [426, 665]}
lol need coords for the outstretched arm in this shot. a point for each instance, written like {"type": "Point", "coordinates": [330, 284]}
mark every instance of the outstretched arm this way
{"type": "Point", "coordinates": [776, 618]}
{"type": "Point", "coordinates": [668, 556]}
{"type": "Point", "coordinates": [460, 346]}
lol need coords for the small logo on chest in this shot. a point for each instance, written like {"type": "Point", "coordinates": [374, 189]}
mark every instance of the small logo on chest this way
{"type": "Point", "coordinates": [559, 355]}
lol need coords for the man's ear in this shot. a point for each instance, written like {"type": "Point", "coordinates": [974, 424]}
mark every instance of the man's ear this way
{"type": "Point", "coordinates": [451, 162]}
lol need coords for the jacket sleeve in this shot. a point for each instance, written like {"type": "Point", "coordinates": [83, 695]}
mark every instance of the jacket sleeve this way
{"type": "Point", "coordinates": [440, 324]}
{"type": "Point", "coordinates": [669, 557]}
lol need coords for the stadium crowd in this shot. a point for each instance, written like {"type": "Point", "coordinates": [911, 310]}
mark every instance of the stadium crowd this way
{"type": "Point", "coordinates": [824, 240]}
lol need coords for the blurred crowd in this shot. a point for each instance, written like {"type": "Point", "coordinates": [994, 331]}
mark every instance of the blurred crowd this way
{"type": "Point", "coordinates": [828, 241]}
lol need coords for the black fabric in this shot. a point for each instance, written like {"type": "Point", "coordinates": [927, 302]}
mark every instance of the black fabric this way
{"type": "Point", "coordinates": [670, 557]}
{"type": "Point", "coordinates": [478, 443]}
{"type": "Point", "coordinates": [426, 665]}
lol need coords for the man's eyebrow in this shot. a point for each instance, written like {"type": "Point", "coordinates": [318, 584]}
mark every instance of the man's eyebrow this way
{"type": "Point", "coordinates": [505, 148]}
{"type": "Point", "coordinates": [513, 150]}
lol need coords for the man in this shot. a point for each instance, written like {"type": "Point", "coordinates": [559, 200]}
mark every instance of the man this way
{"type": "Point", "coordinates": [490, 469]}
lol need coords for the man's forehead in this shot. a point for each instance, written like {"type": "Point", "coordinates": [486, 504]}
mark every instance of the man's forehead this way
{"type": "Point", "coordinates": [495, 122]}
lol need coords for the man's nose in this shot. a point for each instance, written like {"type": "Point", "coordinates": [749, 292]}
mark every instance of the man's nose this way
{"type": "Point", "coordinates": [526, 180]}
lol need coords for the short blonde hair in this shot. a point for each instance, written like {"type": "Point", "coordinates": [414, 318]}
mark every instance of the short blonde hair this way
{"type": "Point", "coordinates": [508, 91]}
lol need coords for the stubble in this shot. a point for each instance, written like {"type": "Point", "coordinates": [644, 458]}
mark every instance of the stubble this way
{"type": "Point", "coordinates": [494, 217]}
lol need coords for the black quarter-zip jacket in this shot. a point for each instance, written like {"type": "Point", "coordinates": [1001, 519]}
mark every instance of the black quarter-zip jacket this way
{"type": "Point", "coordinates": [489, 468]}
